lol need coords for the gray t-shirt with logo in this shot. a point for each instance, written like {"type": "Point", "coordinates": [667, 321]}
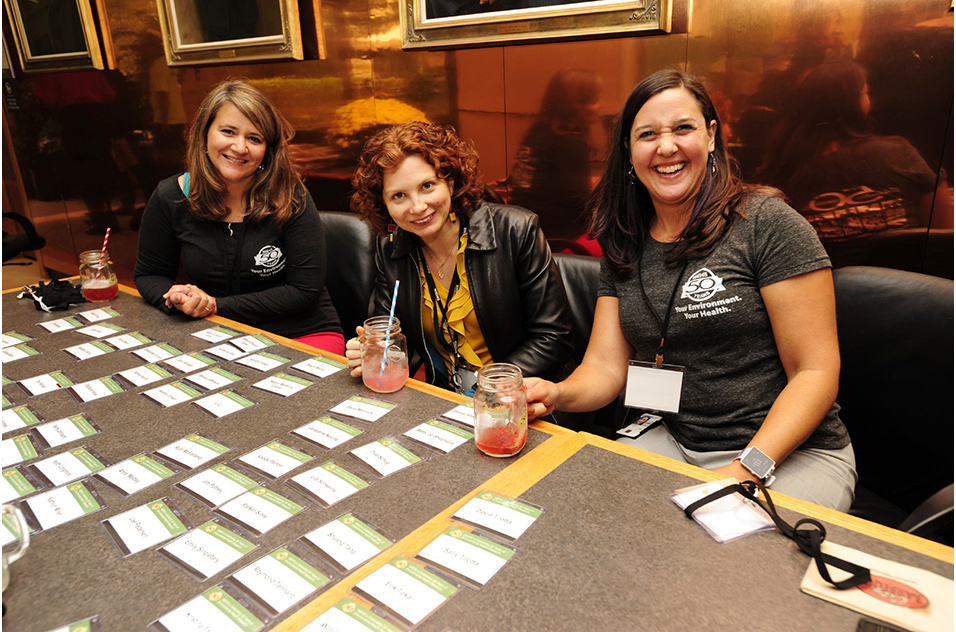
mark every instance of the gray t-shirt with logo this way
{"type": "Point", "coordinates": [719, 329]}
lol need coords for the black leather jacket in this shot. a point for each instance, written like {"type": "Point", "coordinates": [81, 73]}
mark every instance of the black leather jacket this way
{"type": "Point", "coordinates": [515, 285]}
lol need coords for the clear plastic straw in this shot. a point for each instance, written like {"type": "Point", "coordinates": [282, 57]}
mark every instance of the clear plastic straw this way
{"type": "Point", "coordinates": [391, 318]}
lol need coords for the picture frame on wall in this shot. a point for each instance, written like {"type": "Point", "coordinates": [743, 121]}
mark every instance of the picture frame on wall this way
{"type": "Point", "coordinates": [229, 31]}
{"type": "Point", "coordinates": [428, 24]}
{"type": "Point", "coordinates": [54, 35]}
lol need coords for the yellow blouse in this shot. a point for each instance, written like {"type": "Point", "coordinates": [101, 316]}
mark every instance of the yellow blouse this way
{"type": "Point", "coordinates": [461, 317]}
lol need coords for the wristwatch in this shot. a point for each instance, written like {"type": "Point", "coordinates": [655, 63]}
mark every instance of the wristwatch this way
{"type": "Point", "coordinates": [758, 463]}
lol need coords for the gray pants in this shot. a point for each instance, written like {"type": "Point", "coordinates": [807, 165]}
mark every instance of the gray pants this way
{"type": "Point", "coordinates": [824, 477]}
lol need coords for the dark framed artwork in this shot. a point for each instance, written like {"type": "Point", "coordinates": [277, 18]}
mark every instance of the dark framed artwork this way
{"type": "Point", "coordinates": [53, 35]}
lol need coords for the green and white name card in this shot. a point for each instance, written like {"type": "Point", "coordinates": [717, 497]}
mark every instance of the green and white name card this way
{"type": "Point", "coordinates": [205, 551]}
{"type": "Point", "coordinates": [252, 342]}
{"type": "Point", "coordinates": [385, 456]}
{"type": "Point", "coordinates": [407, 589]}
{"type": "Point", "coordinates": [145, 374]}
{"type": "Point", "coordinates": [92, 624]}
{"type": "Point", "coordinates": [275, 459]}
{"type": "Point", "coordinates": [63, 504]}
{"type": "Point", "coordinates": [6, 401]}
{"type": "Point", "coordinates": [224, 403]}
{"type": "Point", "coordinates": [61, 324]}
{"type": "Point", "coordinates": [156, 353]}
{"type": "Point", "coordinates": [63, 431]}
{"type": "Point", "coordinates": [10, 530]}
{"type": "Point", "coordinates": [96, 389]}
{"type": "Point", "coordinates": [216, 377]}
{"type": "Point", "coordinates": [18, 450]}
{"type": "Point", "coordinates": [70, 466]}
{"type": "Point", "coordinates": [259, 510]}
{"type": "Point", "coordinates": [263, 361]}
{"type": "Point", "coordinates": [89, 350]}
{"type": "Point", "coordinates": [463, 413]}
{"type": "Point", "coordinates": [350, 616]}
{"type": "Point", "coordinates": [134, 474]}
{"type": "Point", "coordinates": [363, 408]}
{"type": "Point", "coordinates": [189, 362]}
{"type": "Point", "coordinates": [171, 394]}
{"type": "Point", "coordinates": [100, 331]}
{"type": "Point", "coordinates": [440, 435]}
{"type": "Point", "coordinates": [96, 315]}
{"type": "Point", "coordinates": [53, 381]}
{"type": "Point", "coordinates": [226, 351]}
{"type": "Point", "coordinates": [216, 610]}
{"type": "Point", "coordinates": [217, 485]}
{"type": "Point", "coordinates": [500, 514]}
{"type": "Point", "coordinates": [327, 432]}
{"type": "Point", "coordinates": [328, 483]}
{"type": "Point", "coordinates": [143, 527]}
{"type": "Point", "coordinates": [192, 451]}
{"type": "Point", "coordinates": [129, 341]}
{"type": "Point", "coordinates": [348, 541]}
{"type": "Point", "coordinates": [472, 557]}
{"type": "Point", "coordinates": [283, 384]}
{"type": "Point", "coordinates": [17, 352]}
{"type": "Point", "coordinates": [14, 485]}
{"type": "Point", "coordinates": [281, 579]}
{"type": "Point", "coordinates": [319, 366]}
{"type": "Point", "coordinates": [215, 334]}
{"type": "Point", "coordinates": [14, 338]}
{"type": "Point", "coordinates": [19, 417]}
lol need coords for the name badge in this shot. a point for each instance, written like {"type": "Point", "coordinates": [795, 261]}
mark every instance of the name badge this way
{"type": "Point", "coordinates": [652, 387]}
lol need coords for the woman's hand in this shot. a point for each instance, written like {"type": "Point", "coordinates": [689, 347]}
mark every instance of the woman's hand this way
{"type": "Point", "coordinates": [353, 352]}
{"type": "Point", "coordinates": [542, 396]}
{"type": "Point", "coordinates": [738, 471]}
{"type": "Point", "coordinates": [190, 300]}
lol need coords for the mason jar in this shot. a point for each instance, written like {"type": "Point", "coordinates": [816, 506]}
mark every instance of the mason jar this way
{"type": "Point", "coordinates": [97, 277]}
{"type": "Point", "coordinates": [501, 410]}
{"type": "Point", "coordinates": [384, 355]}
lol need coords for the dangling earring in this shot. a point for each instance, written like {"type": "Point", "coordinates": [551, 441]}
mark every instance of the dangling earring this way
{"type": "Point", "coordinates": [632, 175]}
{"type": "Point", "coordinates": [391, 231]}
{"type": "Point", "coordinates": [713, 164]}
{"type": "Point", "coordinates": [452, 217]}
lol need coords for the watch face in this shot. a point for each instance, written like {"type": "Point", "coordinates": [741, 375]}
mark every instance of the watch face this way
{"type": "Point", "coordinates": [758, 463]}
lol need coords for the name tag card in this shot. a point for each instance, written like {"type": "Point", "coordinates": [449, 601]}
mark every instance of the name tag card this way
{"type": "Point", "coordinates": [216, 610]}
{"type": "Point", "coordinates": [439, 435]}
{"type": "Point", "coordinates": [328, 483]}
{"type": "Point", "coordinates": [96, 389]}
{"type": "Point", "coordinates": [224, 403]}
{"type": "Point", "coordinates": [192, 451]}
{"type": "Point", "coordinates": [171, 394]}
{"type": "Point", "coordinates": [17, 352]}
{"type": "Point", "coordinates": [226, 351]}
{"type": "Point", "coordinates": [363, 408]}
{"type": "Point", "coordinates": [205, 551]}
{"type": "Point", "coordinates": [143, 375]}
{"type": "Point", "coordinates": [143, 527]}
{"type": "Point", "coordinates": [463, 414]}
{"type": "Point", "coordinates": [327, 432]}
{"type": "Point", "coordinates": [20, 417]}
{"type": "Point", "coordinates": [17, 484]}
{"type": "Point", "coordinates": [96, 315]}
{"type": "Point", "coordinates": [283, 384]}
{"type": "Point", "coordinates": [211, 379]}
{"type": "Point", "coordinates": [275, 459]}
{"type": "Point", "coordinates": [263, 361]}
{"type": "Point", "coordinates": [654, 388]}
{"type": "Point", "coordinates": [385, 456]}
{"type": "Point", "coordinates": [69, 466]}
{"type": "Point", "coordinates": [407, 589]}
{"type": "Point", "coordinates": [134, 474]}
{"type": "Point", "coordinates": [253, 342]}
{"type": "Point", "coordinates": [348, 541]}
{"type": "Point", "coordinates": [189, 362]}
{"type": "Point", "coordinates": [40, 384]}
{"type": "Point", "coordinates": [100, 331]}
{"type": "Point", "coordinates": [319, 366]}
{"type": "Point", "coordinates": [468, 556]}
{"type": "Point", "coordinates": [156, 353]}
{"type": "Point", "coordinates": [13, 338]}
{"type": "Point", "coordinates": [93, 624]}
{"type": "Point", "coordinates": [130, 340]}
{"type": "Point", "coordinates": [89, 350]}
{"type": "Point", "coordinates": [18, 450]}
{"type": "Point", "coordinates": [281, 579]}
{"type": "Point", "coordinates": [217, 485]}
{"type": "Point", "coordinates": [215, 334]}
{"type": "Point", "coordinates": [10, 530]}
{"type": "Point", "coordinates": [62, 431]}
{"type": "Point", "coordinates": [63, 504]}
{"type": "Point", "coordinates": [503, 515]}
{"type": "Point", "coordinates": [350, 616]}
{"type": "Point", "coordinates": [259, 510]}
{"type": "Point", "coordinates": [61, 324]}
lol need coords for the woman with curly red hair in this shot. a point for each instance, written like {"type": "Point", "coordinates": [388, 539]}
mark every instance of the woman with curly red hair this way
{"type": "Point", "coordinates": [478, 284]}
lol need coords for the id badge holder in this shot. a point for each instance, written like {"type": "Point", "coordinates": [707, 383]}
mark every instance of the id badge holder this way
{"type": "Point", "coordinates": [652, 387]}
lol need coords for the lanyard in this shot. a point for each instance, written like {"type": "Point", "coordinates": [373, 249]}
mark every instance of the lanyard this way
{"type": "Point", "coordinates": [443, 332]}
{"type": "Point", "coordinates": [659, 360]}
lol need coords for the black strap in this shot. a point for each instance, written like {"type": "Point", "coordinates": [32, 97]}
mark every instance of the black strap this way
{"type": "Point", "coordinates": [808, 533]}
{"type": "Point", "coordinates": [443, 332]}
{"type": "Point", "coordinates": [662, 323]}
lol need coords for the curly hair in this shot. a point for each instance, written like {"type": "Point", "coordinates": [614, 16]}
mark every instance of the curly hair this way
{"type": "Point", "coordinates": [452, 158]}
{"type": "Point", "coordinates": [276, 191]}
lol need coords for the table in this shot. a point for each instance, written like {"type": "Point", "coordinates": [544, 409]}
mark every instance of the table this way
{"type": "Point", "coordinates": [610, 552]}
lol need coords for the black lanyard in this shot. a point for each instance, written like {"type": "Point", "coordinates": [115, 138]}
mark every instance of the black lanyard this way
{"type": "Point", "coordinates": [446, 336]}
{"type": "Point", "coordinates": [662, 323]}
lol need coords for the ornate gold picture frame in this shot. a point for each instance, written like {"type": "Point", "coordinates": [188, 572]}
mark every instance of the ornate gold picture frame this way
{"type": "Point", "coordinates": [50, 35]}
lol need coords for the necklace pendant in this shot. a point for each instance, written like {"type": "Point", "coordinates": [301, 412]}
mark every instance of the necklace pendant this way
{"type": "Point", "coordinates": [441, 273]}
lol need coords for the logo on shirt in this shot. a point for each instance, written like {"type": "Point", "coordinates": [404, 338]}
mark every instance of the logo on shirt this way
{"type": "Point", "coordinates": [702, 285]}
{"type": "Point", "coordinates": [269, 257]}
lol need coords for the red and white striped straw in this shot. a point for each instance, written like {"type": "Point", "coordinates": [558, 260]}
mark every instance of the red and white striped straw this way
{"type": "Point", "coordinates": [102, 254]}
